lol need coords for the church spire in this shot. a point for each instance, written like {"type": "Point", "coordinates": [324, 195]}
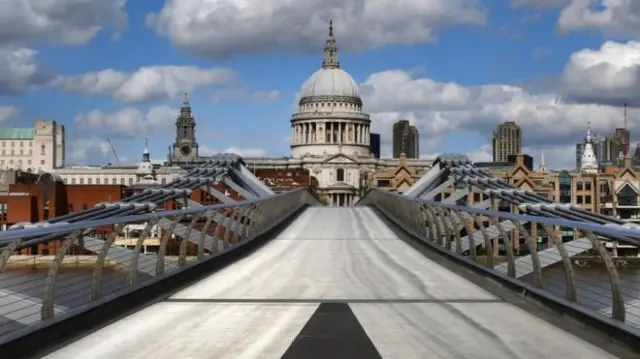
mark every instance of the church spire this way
{"type": "Point", "coordinates": [145, 153]}
{"type": "Point", "coordinates": [330, 51]}
{"type": "Point", "coordinates": [185, 111]}
{"type": "Point", "coordinates": [185, 102]}
{"type": "Point", "coordinates": [543, 164]}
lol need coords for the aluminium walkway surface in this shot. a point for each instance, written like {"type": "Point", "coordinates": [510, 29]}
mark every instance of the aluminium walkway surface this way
{"type": "Point", "coordinates": [336, 283]}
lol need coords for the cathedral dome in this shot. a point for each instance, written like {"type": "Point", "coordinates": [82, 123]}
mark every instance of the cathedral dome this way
{"type": "Point", "coordinates": [330, 82]}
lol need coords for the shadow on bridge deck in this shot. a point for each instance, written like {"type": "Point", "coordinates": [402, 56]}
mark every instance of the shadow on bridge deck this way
{"type": "Point", "coordinates": [388, 301]}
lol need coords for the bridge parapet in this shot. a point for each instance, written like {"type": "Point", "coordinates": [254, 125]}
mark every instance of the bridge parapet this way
{"type": "Point", "coordinates": [38, 288]}
{"type": "Point", "coordinates": [507, 246]}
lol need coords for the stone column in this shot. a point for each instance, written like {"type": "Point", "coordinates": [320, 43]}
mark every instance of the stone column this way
{"type": "Point", "coordinates": [306, 133]}
{"type": "Point", "coordinates": [314, 126]}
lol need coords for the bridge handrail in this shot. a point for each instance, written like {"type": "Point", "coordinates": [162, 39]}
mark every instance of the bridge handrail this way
{"type": "Point", "coordinates": [611, 229]}
{"type": "Point", "coordinates": [119, 264]}
{"type": "Point", "coordinates": [463, 232]}
{"type": "Point", "coordinates": [65, 228]}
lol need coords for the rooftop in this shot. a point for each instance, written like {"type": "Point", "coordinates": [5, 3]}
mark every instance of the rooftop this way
{"type": "Point", "coordinates": [17, 133]}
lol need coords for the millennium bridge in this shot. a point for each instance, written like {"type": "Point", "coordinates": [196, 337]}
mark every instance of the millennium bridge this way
{"type": "Point", "coordinates": [278, 275]}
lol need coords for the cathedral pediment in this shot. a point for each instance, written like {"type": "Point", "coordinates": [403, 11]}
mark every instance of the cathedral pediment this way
{"type": "Point", "coordinates": [340, 158]}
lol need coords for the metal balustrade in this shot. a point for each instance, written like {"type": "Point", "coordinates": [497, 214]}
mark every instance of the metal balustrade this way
{"type": "Point", "coordinates": [66, 282]}
{"type": "Point", "coordinates": [85, 268]}
{"type": "Point", "coordinates": [447, 225]}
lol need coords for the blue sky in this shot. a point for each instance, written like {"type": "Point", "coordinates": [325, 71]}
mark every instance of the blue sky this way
{"type": "Point", "coordinates": [456, 68]}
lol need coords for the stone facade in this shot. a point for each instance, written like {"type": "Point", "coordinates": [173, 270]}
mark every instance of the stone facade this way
{"type": "Point", "coordinates": [36, 149]}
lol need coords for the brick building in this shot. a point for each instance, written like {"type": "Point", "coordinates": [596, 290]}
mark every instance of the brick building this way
{"type": "Point", "coordinates": [35, 198]}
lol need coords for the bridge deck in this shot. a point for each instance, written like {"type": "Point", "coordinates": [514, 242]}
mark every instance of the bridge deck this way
{"type": "Point", "coordinates": [336, 283]}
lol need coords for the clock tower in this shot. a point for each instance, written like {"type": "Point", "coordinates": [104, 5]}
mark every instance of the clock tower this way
{"type": "Point", "coordinates": [185, 147]}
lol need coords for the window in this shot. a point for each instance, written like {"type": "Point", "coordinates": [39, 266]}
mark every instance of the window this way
{"type": "Point", "coordinates": [64, 180]}
{"type": "Point", "coordinates": [73, 181]}
{"type": "Point", "coordinates": [4, 144]}
{"type": "Point", "coordinates": [122, 181]}
{"type": "Point", "coordinates": [114, 180]}
{"type": "Point", "coordinates": [89, 181]}
{"type": "Point", "coordinates": [340, 175]}
{"type": "Point", "coordinates": [565, 187]}
{"type": "Point", "coordinates": [13, 144]}
{"type": "Point", "coordinates": [43, 149]}
{"type": "Point", "coordinates": [579, 186]}
{"type": "Point", "coordinates": [130, 181]}
{"type": "Point", "coordinates": [21, 144]}
{"type": "Point", "coordinates": [29, 162]}
{"type": "Point", "coordinates": [42, 162]}
{"type": "Point", "coordinates": [21, 152]}
{"type": "Point", "coordinates": [627, 196]}
{"type": "Point", "coordinates": [13, 152]}
{"type": "Point", "coordinates": [579, 199]}
{"type": "Point", "coordinates": [97, 180]}
{"type": "Point", "coordinates": [2, 162]}
{"type": "Point", "coordinates": [164, 181]}
{"type": "Point", "coordinates": [4, 209]}
{"type": "Point", "coordinates": [587, 186]}
{"type": "Point", "coordinates": [587, 199]}
{"type": "Point", "coordinates": [81, 180]}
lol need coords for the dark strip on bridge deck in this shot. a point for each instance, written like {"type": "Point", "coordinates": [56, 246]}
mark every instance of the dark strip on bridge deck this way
{"type": "Point", "coordinates": [332, 332]}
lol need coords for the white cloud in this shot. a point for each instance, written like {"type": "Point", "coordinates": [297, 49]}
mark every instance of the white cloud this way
{"type": "Point", "coordinates": [7, 112]}
{"type": "Point", "coordinates": [31, 22]}
{"type": "Point", "coordinates": [83, 150]}
{"type": "Point", "coordinates": [146, 84]}
{"type": "Point", "coordinates": [244, 152]}
{"type": "Point", "coordinates": [609, 75]}
{"type": "Point", "coordinates": [128, 121]}
{"type": "Point", "coordinates": [18, 69]}
{"type": "Point", "coordinates": [549, 124]}
{"type": "Point", "coordinates": [439, 108]}
{"type": "Point", "coordinates": [615, 17]}
{"type": "Point", "coordinates": [611, 17]}
{"type": "Point", "coordinates": [222, 28]}
{"type": "Point", "coordinates": [69, 22]}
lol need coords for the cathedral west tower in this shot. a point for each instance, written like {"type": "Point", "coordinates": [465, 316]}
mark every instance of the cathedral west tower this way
{"type": "Point", "coordinates": [185, 147]}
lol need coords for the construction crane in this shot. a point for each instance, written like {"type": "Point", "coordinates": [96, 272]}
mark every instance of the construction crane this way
{"type": "Point", "coordinates": [113, 150]}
